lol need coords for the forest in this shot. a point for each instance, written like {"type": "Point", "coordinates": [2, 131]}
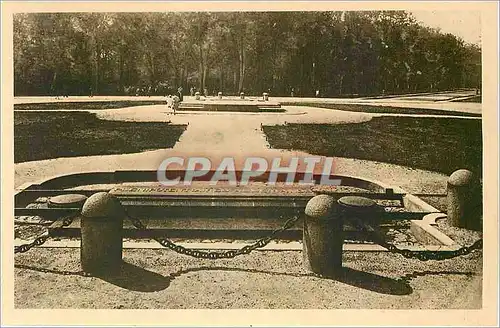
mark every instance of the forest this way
{"type": "Point", "coordinates": [339, 54]}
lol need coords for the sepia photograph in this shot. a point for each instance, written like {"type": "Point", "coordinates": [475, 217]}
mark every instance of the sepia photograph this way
{"type": "Point", "coordinates": [183, 156]}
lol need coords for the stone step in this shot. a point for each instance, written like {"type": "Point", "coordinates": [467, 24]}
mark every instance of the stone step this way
{"type": "Point", "coordinates": [209, 228]}
{"type": "Point", "coordinates": [212, 211]}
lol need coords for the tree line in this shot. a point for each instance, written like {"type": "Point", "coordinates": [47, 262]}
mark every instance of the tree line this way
{"type": "Point", "coordinates": [335, 53]}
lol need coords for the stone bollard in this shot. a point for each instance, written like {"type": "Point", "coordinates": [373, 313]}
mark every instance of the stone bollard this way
{"type": "Point", "coordinates": [101, 230]}
{"type": "Point", "coordinates": [358, 210]}
{"type": "Point", "coordinates": [219, 95]}
{"type": "Point", "coordinates": [464, 208]}
{"type": "Point", "coordinates": [197, 95]}
{"type": "Point", "coordinates": [322, 236]}
{"type": "Point", "coordinates": [265, 96]}
{"type": "Point", "coordinates": [242, 95]}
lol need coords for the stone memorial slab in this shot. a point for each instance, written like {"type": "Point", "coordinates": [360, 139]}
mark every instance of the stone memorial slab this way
{"type": "Point", "coordinates": [214, 191]}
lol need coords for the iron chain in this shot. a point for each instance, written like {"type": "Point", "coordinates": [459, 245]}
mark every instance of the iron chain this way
{"type": "Point", "coordinates": [35, 243]}
{"type": "Point", "coordinates": [433, 255]}
{"type": "Point", "coordinates": [66, 221]}
{"type": "Point", "coordinates": [425, 255]}
{"type": "Point", "coordinates": [165, 242]}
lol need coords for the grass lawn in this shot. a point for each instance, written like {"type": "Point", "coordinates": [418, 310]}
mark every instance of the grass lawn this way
{"type": "Point", "coordinates": [380, 109]}
{"type": "Point", "coordinates": [40, 136]}
{"type": "Point", "coordinates": [80, 105]}
{"type": "Point", "coordinates": [436, 144]}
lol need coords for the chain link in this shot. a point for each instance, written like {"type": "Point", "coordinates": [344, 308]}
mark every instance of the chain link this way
{"type": "Point", "coordinates": [66, 221]}
{"type": "Point", "coordinates": [424, 255]}
{"type": "Point", "coordinates": [165, 242]}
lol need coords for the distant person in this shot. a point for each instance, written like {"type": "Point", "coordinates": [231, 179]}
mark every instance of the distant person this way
{"type": "Point", "coordinates": [176, 101]}
{"type": "Point", "coordinates": [292, 93]}
{"type": "Point", "coordinates": [170, 102]}
{"type": "Point", "coordinates": [317, 93]}
{"type": "Point", "coordinates": [191, 91]}
{"type": "Point", "coordinates": [179, 94]}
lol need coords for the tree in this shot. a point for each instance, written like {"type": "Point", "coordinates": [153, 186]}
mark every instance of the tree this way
{"type": "Point", "coordinates": [340, 53]}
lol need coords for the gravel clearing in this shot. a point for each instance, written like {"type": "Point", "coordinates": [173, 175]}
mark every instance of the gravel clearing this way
{"type": "Point", "coordinates": [460, 236]}
{"type": "Point", "coordinates": [159, 279]}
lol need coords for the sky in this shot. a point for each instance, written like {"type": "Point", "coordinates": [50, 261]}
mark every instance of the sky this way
{"type": "Point", "coordinates": [465, 24]}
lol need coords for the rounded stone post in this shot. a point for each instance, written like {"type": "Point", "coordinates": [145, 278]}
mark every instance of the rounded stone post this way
{"type": "Point", "coordinates": [359, 210]}
{"type": "Point", "coordinates": [101, 230]}
{"type": "Point", "coordinates": [197, 95]}
{"type": "Point", "coordinates": [219, 95]}
{"type": "Point", "coordinates": [322, 236]}
{"type": "Point", "coordinates": [464, 208]}
{"type": "Point", "coordinates": [265, 96]}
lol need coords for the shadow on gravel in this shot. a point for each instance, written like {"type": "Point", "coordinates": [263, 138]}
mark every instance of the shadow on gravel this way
{"type": "Point", "coordinates": [373, 282]}
{"type": "Point", "coordinates": [130, 277]}
{"type": "Point", "coordinates": [134, 278]}
{"type": "Point", "coordinates": [360, 279]}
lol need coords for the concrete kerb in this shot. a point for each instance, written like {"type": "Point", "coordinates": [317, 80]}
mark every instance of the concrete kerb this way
{"type": "Point", "coordinates": [424, 229]}
{"type": "Point", "coordinates": [55, 177]}
{"type": "Point", "coordinates": [369, 184]}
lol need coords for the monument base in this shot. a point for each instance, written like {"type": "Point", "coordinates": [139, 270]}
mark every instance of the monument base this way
{"type": "Point", "coordinates": [242, 105]}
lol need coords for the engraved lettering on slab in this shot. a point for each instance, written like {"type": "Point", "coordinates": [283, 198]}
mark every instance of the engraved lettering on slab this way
{"type": "Point", "coordinates": [131, 190]}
